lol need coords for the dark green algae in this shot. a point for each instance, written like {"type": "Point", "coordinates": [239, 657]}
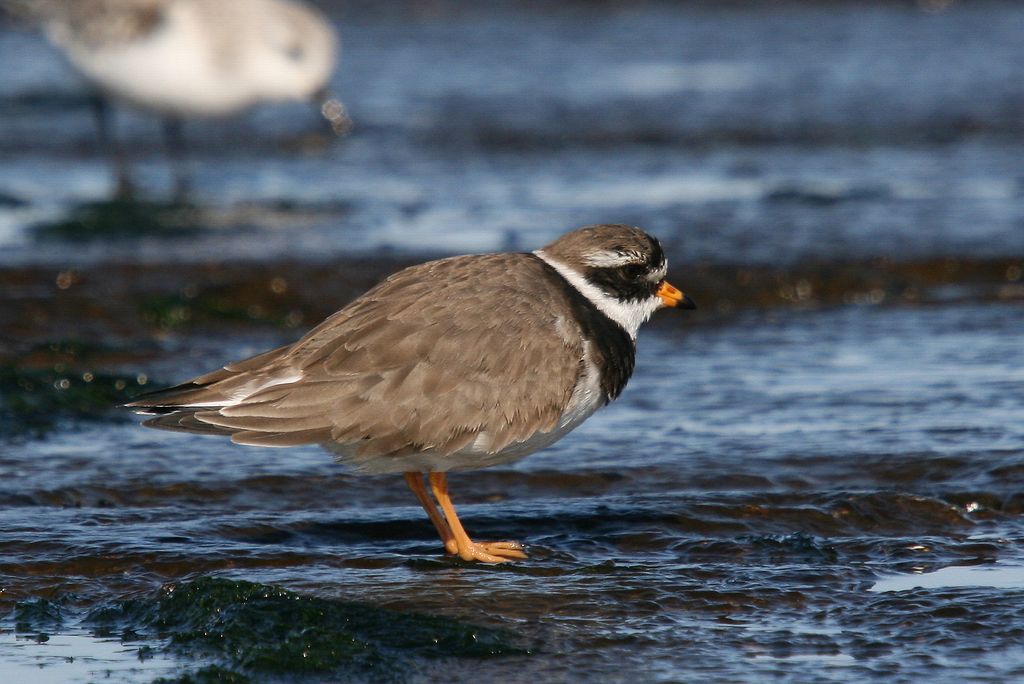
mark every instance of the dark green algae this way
{"type": "Point", "coordinates": [237, 631]}
{"type": "Point", "coordinates": [142, 217]}
{"type": "Point", "coordinates": [34, 401]}
{"type": "Point", "coordinates": [40, 616]}
{"type": "Point", "coordinates": [50, 383]}
{"type": "Point", "coordinates": [121, 218]}
{"type": "Point", "coordinates": [177, 310]}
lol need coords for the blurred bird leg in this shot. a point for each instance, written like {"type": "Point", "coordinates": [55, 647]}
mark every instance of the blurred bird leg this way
{"type": "Point", "coordinates": [174, 145]}
{"type": "Point", "coordinates": [332, 109]}
{"type": "Point", "coordinates": [111, 148]}
{"type": "Point", "coordinates": [486, 552]}
{"type": "Point", "coordinates": [416, 484]}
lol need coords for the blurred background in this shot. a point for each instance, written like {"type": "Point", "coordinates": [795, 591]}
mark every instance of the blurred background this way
{"type": "Point", "coordinates": [818, 476]}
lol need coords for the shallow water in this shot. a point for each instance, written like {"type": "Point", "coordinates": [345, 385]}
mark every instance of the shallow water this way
{"type": "Point", "coordinates": [770, 133]}
{"type": "Point", "coordinates": [735, 513]}
{"type": "Point", "coordinates": [66, 658]}
{"type": "Point", "coordinates": [994, 575]}
{"type": "Point", "coordinates": [817, 477]}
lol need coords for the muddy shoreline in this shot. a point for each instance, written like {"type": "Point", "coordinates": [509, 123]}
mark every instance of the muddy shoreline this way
{"type": "Point", "coordinates": [134, 302]}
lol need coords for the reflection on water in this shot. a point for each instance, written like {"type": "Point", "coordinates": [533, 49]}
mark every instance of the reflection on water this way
{"type": "Point", "coordinates": [995, 575]}
{"type": "Point", "coordinates": [78, 658]}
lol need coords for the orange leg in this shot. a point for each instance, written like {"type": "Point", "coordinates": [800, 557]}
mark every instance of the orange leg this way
{"type": "Point", "coordinates": [487, 552]}
{"type": "Point", "coordinates": [415, 482]}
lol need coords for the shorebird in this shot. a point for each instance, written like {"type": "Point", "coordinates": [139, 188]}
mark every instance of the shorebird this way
{"type": "Point", "coordinates": [191, 58]}
{"type": "Point", "coordinates": [461, 363]}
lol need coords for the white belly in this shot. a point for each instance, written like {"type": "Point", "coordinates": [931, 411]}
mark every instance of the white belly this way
{"type": "Point", "coordinates": [174, 70]}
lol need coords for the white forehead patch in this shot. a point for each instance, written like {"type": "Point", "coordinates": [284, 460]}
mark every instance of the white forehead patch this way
{"type": "Point", "coordinates": [611, 259]}
{"type": "Point", "coordinates": [606, 258]}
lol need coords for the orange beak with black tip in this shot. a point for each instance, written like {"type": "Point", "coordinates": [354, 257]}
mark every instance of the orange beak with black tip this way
{"type": "Point", "coordinates": [673, 297]}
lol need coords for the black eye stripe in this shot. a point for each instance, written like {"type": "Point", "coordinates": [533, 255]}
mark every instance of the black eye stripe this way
{"type": "Point", "coordinates": [628, 282]}
{"type": "Point", "coordinates": [635, 271]}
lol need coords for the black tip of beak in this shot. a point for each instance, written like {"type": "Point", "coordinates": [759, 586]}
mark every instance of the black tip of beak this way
{"type": "Point", "coordinates": [687, 303]}
{"type": "Point", "coordinates": [333, 112]}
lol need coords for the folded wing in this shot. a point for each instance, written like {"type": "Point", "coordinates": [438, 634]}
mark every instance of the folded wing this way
{"type": "Point", "coordinates": [432, 359]}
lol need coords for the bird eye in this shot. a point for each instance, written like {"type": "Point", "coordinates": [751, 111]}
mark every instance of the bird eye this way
{"type": "Point", "coordinates": [634, 271]}
{"type": "Point", "coordinates": [295, 52]}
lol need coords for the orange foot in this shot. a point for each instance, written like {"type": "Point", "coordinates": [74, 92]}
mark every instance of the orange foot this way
{"type": "Point", "coordinates": [452, 531]}
{"type": "Point", "coordinates": [492, 552]}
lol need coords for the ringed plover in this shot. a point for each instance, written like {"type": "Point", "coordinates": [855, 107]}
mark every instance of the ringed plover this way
{"type": "Point", "coordinates": [461, 363]}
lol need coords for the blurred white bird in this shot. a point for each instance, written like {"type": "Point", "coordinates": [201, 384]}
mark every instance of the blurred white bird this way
{"type": "Point", "coordinates": [191, 58]}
